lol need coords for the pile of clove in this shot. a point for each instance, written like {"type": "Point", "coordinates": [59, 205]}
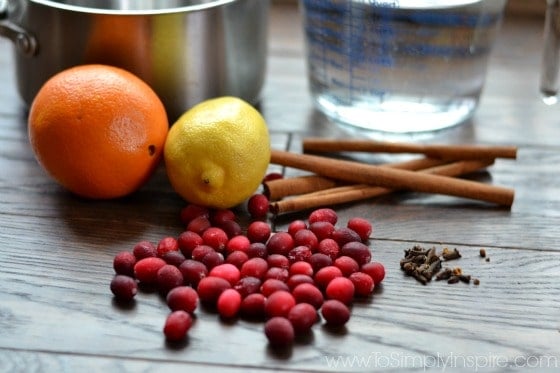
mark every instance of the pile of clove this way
{"type": "Point", "coordinates": [425, 264]}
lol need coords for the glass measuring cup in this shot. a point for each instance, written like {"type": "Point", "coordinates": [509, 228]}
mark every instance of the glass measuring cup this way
{"type": "Point", "coordinates": [399, 66]}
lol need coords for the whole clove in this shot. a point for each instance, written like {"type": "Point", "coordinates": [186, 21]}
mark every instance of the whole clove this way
{"type": "Point", "coordinates": [450, 254]}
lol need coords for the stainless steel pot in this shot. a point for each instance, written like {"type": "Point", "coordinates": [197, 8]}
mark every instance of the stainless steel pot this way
{"type": "Point", "coordinates": [186, 50]}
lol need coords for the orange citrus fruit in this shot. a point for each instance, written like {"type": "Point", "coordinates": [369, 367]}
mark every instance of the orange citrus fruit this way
{"type": "Point", "coordinates": [98, 130]}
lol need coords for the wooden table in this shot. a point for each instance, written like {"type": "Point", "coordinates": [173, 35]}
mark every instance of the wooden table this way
{"type": "Point", "coordinates": [58, 315]}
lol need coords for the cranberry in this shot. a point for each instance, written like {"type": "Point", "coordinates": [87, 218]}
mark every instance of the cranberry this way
{"type": "Point", "coordinates": [191, 211]}
{"type": "Point", "coordinates": [248, 285]}
{"type": "Point", "coordinates": [299, 254]}
{"type": "Point", "coordinates": [357, 251]}
{"type": "Point", "coordinates": [361, 226]}
{"type": "Point", "coordinates": [301, 268]}
{"type": "Point", "coordinates": [278, 260]}
{"type": "Point", "coordinates": [296, 226]}
{"type": "Point", "coordinates": [254, 267]}
{"type": "Point", "coordinates": [363, 283]}
{"type": "Point", "coordinates": [182, 298]}
{"type": "Point", "coordinates": [347, 265]}
{"type": "Point", "coordinates": [144, 249]}
{"type": "Point", "coordinates": [278, 273]}
{"type": "Point", "coordinates": [219, 217]}
{"type": "Point", "coordinates": [216, 238]}
{"type": "Point", "coordinates": [258, 231]}
{"type": "Point", "coordinates": [340, 288]}
{"type": "Point", "coordinates": [200, 251]}
{"type": "Point", "coordinates": [272, 176]}
{"type": "Point", "coordinates": [322, 229]}
{"type": "Point", "coordinates": [279, 303]}
{"type": "Point", "coordinates": [279, 332]}
{"type": "Point", "coordinates": [305, 237]}
{"type": "Point", "coordinates": [238, 243]}
{"type": "Point", "coordinates": [193, 271]}
{"type": "Point", "coordinates": [232, 228]}
{"type": "Point", "coordinates": [169, 277]}
{"type": "Point", "coordinates": [237, 258]}
{"type": "Point", "coordinates": [177, 325]}
{"type": "Point", "coordinates": [344, 235]}
{"type": "Point", "coordinates": [228, 303]}
{"type": "Point", "coordinates": [209, 289]}
{"type": "Point", "coordinates": [272, 285]}
{"type": "Point", "coordinates": [335, 312]}
{"type": "Point", "coordinates": [329, 247]}
{"type": "Point", "coordinates": [295, 280]}
{"type": "Point", "coordinates": [258, 206]}
{"type": "Point", "coordinates": [123, 263]}
{"type": "Point", "coordinates": [212, 259]}
{"type": "Point", "coordinates": [174, 258]}
{"type": "Point", "coordinates": [226, 271]}
{"type": "Point", "coordinates": [124, 287]}
{"type": "Point", "coordinates": [252, 306]}
{"type": "Point", "coordinates": [319, 260]}
{"type": "Point", "coordinates": [325, 275]}
{"type": "Point", "coordinates": [302, 316]}
{"type": "Point", "coordinates": [188, 241]}
{"type": "Point", "coordinates": [308, 293]}
{"type": "Point", "coordinates": [280, 243]}
{"type": "Point", "coordinates": [145, 270]}
{"type": "Point", "coordinates": [375, 270]}
{"type": "Point", "coordinates": [323, 214]}
{"type": "Point", "coordinates": [166, 245]}
{"type": "Point", "coordinates": [257, 250]}
{"type": "Point", "coordinates": [199, 224]}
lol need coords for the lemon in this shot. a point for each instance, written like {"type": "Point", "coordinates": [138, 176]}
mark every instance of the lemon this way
{"type": "Point", "coordinates": [217, 153]}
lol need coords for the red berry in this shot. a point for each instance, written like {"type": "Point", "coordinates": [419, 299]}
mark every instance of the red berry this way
{"type": "Point", "coordinates": [323, 214]}
{"type": "Point", "coordinates": [219, 217]}
{"type": "Point", "coordinates": [258, 231]}
{"type": "Point", "coordinates": [188, 241]}
{"type": "Point", "coordinates": [295, 226]}
{"type": "Point", "coordinates": [325, 275]}
{"type": "Point", "coordinates": [199, 224]}
{"type": "Point", "coordinates": [182, 298]}
{"type": "Point", "coordinates": [248, 285]}
{"type": "Point", "coordinates": [252, 306]}
{"type": "Point", "coordinates": [177, 325]}
{"type": "Point", "coordinates": [280, 243]}
{"type": "Point", "coordinates": [344, 235]}
{"type": "Point", "coordinates": [232, 228]}
{"type": "Point", "coordinates": [124, 287]}
{"type": "Point", "coordinates": [279, 303]}
{"type": "Point", "coordinates": [145, 270]}
{"type": "Point", "coordinates": [301, 268]}
{"type": "Point", "coordinates": [169, 277]}
{"type": "Point", "coordinates": [308, 293]}
{"type": "Point", "coordinates": [228, 303]}
{"type": "Point", "coordinates": [238, 243]}
{"type": "Point", "coordinates": [272, 285]}
{"type": "Point", "coordinates": [272, 176]}
{"type": "Point", "coordinates": [305, 237]}
{"type": "Point", "coordinates": [174, 258]}
{"type": "Point", "coordinates": [226, 271]}
{"type": "Point", "coordinates": [123, 263]}
{"type": "Point", "coordinates": [209, 289]}
{"type": "Point", "coordinates": [347, 265]}
{"type": "Point", "coordinates": [361, 226]}
{"type": "Point", "coordinates": [212, 259]}
{"type": "Point", "coordinates": [363, 283]}
{"type": "Point", "coordinates": [254, 267]}
{"type": "Point", "coordinates": [295, 280]}
{"type": "Point", "coordinates": [215, 238]}
{"type": "Point", "coordinates": [322, 229]}
{"type": "Point", "coordinates": [329, 247]}
{"type": "Point", "coordinates": [320, 260]}
{"type": "Point", "coordinates": [278, 273]}
{"type": "Point", "coordinates": [279, 332]}
{"type": "Point", "coordinates": [144, 249]}
{"type": "Point", "coordinates": [200, 252]}
{"type": "Point", "coordinates": [375, 270]}
{"type": "Point", "coordinates": [190, 212]}
{"type": "Point", "coordinates": [257, 250]}
{"type": "Point", "coordinates": [302, 316]}
{"type": "Point", "coordinates": [237, 258]}
{"type": "Point", "coordinates": [358, 251]}
{"type": "Point", "coordinates": [299, 254]}
{"type": "Point", "coordinates": [258, 206]}
{"type": "Point", "coordinates": [193, 271]}
{"type": "Point", "coordinates": [340, 288]}
{"type": "Point", "coordinates": [335, 312]}
{"type": "Point", "coordinates": [278, 260]}
{"type": "Point", "coordinates": [166, 245]}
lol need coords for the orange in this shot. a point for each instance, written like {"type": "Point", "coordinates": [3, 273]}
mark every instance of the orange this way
{"type": "Point", "coordinates": [98, 130]}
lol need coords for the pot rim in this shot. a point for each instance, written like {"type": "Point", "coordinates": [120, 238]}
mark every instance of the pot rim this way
{"type": "Point", "coordinates": [153, 11]}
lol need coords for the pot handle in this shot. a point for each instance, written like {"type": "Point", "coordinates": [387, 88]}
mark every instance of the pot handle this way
{"type": "Point", "coordinates": [23, 40]}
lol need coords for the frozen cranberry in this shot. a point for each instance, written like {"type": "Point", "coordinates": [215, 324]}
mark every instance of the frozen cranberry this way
{"type": "Point", "coordinates": [191, 211]}
{"type": "Point", "coordinates": [344, 235]}
{"type": "Point", "coordinates": [375, 270]}
{"type": "Point", "coordinates": [248, 285]}
{"type": "Point", "coordinates": [188, 241]}
{"type": "Point", "coordinates": [177, 325]}
{"type": "Point", "coordinates": [299, 254]}
{"type": "Point", "coordinates": [226, 271]}
{"type": "Point", "coordinates": [209, 289]}
{"type": "Point", "coordinates": [320, 260]}
{"type": "Point", "coordinates": [258, 231]}
{"type": "Point", "coordinates": [174, 258]}
{"type": "Point", "coordinates": [228, 303]}
{"type": "Point", "coordinates": [335, 312]}
{"type": "Point", "coordinates": [361, 226]}
{"type": "Point", "coordinates": [280, 243]}
{"type": "Point", "coordinates": [358, 251]}
{"type": "Point", "coordinates": [182, 298]}
{"type": "Point", "coordinates": [252, 306]}
{"type": "Point", "coordinates": [199, 224]}
{"type": "Point", "coordinates": [219, 217]}
{"type": "Point", "coordinates": [279, 332]}
{"type": "Point", "coordinates": [302, 316]}
{"type": "Point", "coordinates": [296, 226]}
{"type": "Point", "coordinates": [237, 258]}
{"type": "Point", "coordinates": [278, 273]}
{"type": "Point", "coordinates": [257, 250]}
{"type": "Point", "coordinates": [325, 275]}
{"type": "Point", "coordinates": [212, 259]}
{"type": "Point", "coordinates": [272, 285]}
{"type": "Point", "coordinates": [272, 176]}
{"type": "Point", "coordinates": [323, 214]}
{"type": "Point", "coordinates": [200, 251]}
{"type": "Point", "coordinates": [340, 288]}
{"type": "Point", "coordinates": [124, 287]}
{"type": "Point", "coordinates": [278, 260]}
{"type": "Point", "coordinates": [301, 268]}
{"type": "Point", "coordinates": [193, 271]}
{"type": "Point", "coordinates": [166, 245]}
{"type": "Point", "coordinates": [279, 303]}
{"type": "Point", "coordinates": [215, 238]}
{"type": "Point", "coordinates": [123, 263]}
{"type": "Point", "coordinates": [169, 277]}
{"type": "Point", "coordinates": [295, 280]}
{"type": "Point", "coordinates": [363, 283]}
{"type": "Point", "coordinates": [308, 293]}
{"type": "Point", "coordinates": [254, 267]}
{"type": "Point", "coordinates": [145, 270]}
{"type": "Point", "coordinates": [232, 228]}
{"type": "Point", "coordinates": [144, 249]}
{"type": "Point", "coordinates": [305, 237]}
{"type": "Point", "coordinates": [258, 206]}
{"type": "Point", "coordinates": [322, 229]}
{"type": "Point", "coordinates": [238, 243]}
{"type": "Point", "coordinates": [347, 265]}
{"type": "Point", "coordinates": [329, 247]}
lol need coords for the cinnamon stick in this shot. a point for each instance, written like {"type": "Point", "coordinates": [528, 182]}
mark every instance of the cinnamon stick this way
{"type": "Point", "coordinates": [357, 192]}
{"type": "Point", "coordinates": [393, 178]}
{"type": "Point", "coordinates": [449, 152]}
{"type": "Point", "coordinates": [280, 188]}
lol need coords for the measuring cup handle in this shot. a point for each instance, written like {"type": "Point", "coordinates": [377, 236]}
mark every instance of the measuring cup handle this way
{"type": "Point", "coordinates": [23, 40]}
{"type": "Point", "coordinates": [551, 54]}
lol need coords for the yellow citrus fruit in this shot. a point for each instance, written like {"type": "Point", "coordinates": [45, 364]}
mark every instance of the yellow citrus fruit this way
{"type": "Point", "coordinates": [98, 130]}
{"type": "Point", "coordinates": [217, 153]}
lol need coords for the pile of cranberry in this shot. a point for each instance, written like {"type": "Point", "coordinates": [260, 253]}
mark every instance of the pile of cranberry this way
{"type": "Point", "coordinates": [288, 279]}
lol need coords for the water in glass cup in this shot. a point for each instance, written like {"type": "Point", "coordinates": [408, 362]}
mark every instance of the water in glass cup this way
{"type": "Point", "coordinates": [399, 66]}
